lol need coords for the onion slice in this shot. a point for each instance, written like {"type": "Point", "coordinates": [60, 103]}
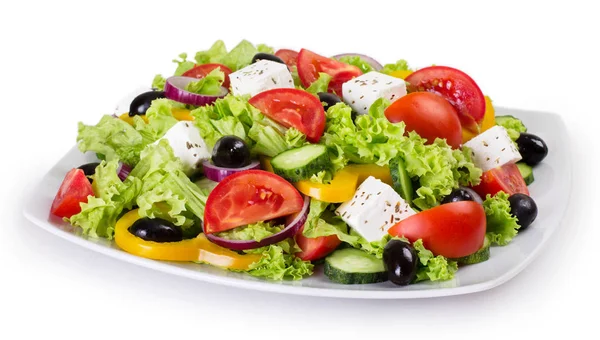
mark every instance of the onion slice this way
{"type": "Point", "coordinates": [293, 224]}
{"type": "Point", "coordinates": [374, 63]}
{"type": "Point", "coordinates": [217, 173]}
{"type": "Point", "coordinates": [175, 90]}
{"type": "Point", "coordinates": [123, 171]}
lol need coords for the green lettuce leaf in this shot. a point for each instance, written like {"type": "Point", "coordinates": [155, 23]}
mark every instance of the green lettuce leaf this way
{"type": "Point", "coordinates": [265, 49]}
{"type": "Point", "coordinates": [255, 232]}
{"type": "Point", "coordinates": [159, 82]}
{"type": "Point", "coordinates": [296, 77]}
{"type": "Point", "coordinates": [433, 268]}
{"type": "Point", "coordinates": [213, 55]}
{"type": "Point", "coordinates": [320, 85]}
{"type": "Point", "coordinates": [400, 65]}
{"type": "Point", "coordinates": [502, 227]}
{"type": "Point", "coordinates": [209, 85]}
{"type": "Point", "coordinates": [183, 65]}
{"type": "Point", "coordinates": [513, 126]}
{"type": "Point", "coordinates": [323, 222]}
{"type": "Point", "coordinates": [322, 177]}
{"type": "Point", "coordinates": [294, 138]}
{"type": "Point", "coordinates": [275, 264]}
{"type": "Point", "coordinates": [160, 120]}
{"type": "Point", "coordinates": [357, 61]}
{"type": "Point", "coordinates": [375, 247]}
{"type": "Point", "coordinates": [240, 56]}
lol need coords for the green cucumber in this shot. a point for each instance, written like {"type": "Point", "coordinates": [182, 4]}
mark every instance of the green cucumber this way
{"type": "Point", "coordinates": [354, 266]}
{"type": "Point", "coordinates": [401, 181]}
{"type": "Point", "coordinates": [301, 163]}
{"type": "Point", "coordinates": [526, 171]}
{"type": "Point", "coordinates": [482, 255]}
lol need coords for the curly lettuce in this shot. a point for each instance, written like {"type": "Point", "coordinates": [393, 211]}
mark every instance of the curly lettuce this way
{"type": "Point", "coordinates": [209, 85]}
{"type": "Point", "coordinates": [513, 126]}
{"type": "Point", "coordinates": [502, 227]}
{"type": "Point", "coordinates": [320, 85]}
{"type": "Point", "coordinates": [357, 61]}
{"type": "Point", "coordinates": [400, 65]}
{"type": "Point", "coordinates": [255, 232]}
{"type": "Point", "coordinates": [322, 222]}
{"type": "Point", "coordinates": [239, 57]}
{"type": "Point", "coordinates": [433, 268]}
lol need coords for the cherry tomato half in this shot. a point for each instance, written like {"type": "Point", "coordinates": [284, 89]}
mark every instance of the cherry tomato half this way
{"type": "Point", "coordinates": [200, 71]}
{"type": "Point", "coordinates": [315, 248]}
{"type": "Point", "coordinates": [311, 64]}
{"type": "Point", "coordinates": [74, 190]}
{"type": "Point", "coordinates": [289, 57]}
{"type": "Point", "coordinates": [506, 178]}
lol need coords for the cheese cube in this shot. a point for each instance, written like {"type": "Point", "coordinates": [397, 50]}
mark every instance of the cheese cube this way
{"type": "Point", "coordinates": [493, 148]}
{"type": "Point", "coordinates": [361, 92]}
{"type": "Point", "coordinates": [374, 209]}
{"type": "Point", "coordinates": [187, 144]}
{"type": "Point", "coordinates": [259, 77]}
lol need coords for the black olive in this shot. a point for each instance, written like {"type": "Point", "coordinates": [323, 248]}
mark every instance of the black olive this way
{"type": "Point", "coordinates": [532, 148]}
{"type": "Point", "coordinates": [140, 104]}
{"type": "Point", "coordinates": [156, 230]}
{"type": "Point", "coordinates": [267, 56]}
{"type": "Point", "coordinates": [89, 169]}
{"type": "Point", "coordinates": [462, 194]}
{"type": "Point", "coordinates": [400, 260]}
{"type": "Point", "coordinates": [231, 152]}
{"type": "Point", "coordinates": [523, 208]}
{"type": "Point", "coordinates": [328, 99]}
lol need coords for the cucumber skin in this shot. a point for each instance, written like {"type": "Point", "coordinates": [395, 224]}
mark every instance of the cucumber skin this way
{"type": "Point", "coordinates": [481, 255]}
{"type": "Point", "coordinates": [397, 173]}
{"type": "Point", "coordinates": [523, 169]}
{"type": "Point", "coordinates": [322, 162]}
{"type": "Point", "coordinates": [339, 276]}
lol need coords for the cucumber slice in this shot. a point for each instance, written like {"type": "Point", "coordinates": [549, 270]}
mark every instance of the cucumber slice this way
{"type": "Point", "coordinates": [401, 181]}
{"type": "Point", "coordinates": [354, 266]}
{"type": "Point", "coordinates": [526, 171]}
{"type": "Point", "coordinates": [301, 163]}
{"type": "Point", "coordinates": [482, 255]}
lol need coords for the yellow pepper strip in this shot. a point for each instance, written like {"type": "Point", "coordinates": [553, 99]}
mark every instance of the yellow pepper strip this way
{"type": "Point", "coordinates": [402, 74]}
{"type": "Point", "coordinates": [344, 183]}
{"type": "Point", "coordinates": [265, 163]}
{"type": "Point", "coordinates": [179, 114]}
{"type": "Point", "coordinates": [198, 249]}
{"type": "Point", "coordinates": [129, 120]}
{"type": "Point", "coordinates": [489, 120]}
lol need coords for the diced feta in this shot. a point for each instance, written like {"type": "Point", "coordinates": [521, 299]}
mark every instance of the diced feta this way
{"type": "Point", "coordinates": [361, 92]}
{"type": "Point", "coordinates": [259, 77]}
{"type": "Point", "coordinates": [493, 148]}
{"type": "Point", "coordinates": [374, 209]}
{"type": "Point", "coordinates": [187, 144]}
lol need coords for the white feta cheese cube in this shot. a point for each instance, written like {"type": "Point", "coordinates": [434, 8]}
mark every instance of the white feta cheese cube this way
{"type": "Point", "coordinates": [259, 77]}
{"type": "Point", "coordinates": [493, 148]}
{"type": "Point", "coordinates": [361, 92]}
{"type": "Point", "coordinates": [374, 209]}
{"type": "Point", "coordinates": [187, 144]}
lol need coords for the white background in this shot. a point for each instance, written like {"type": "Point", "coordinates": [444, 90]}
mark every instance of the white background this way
{"type": "Point", "coordinates": [64, 62]}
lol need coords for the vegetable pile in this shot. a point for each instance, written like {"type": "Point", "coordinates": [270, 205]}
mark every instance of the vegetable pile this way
{"type": "Point", "coordinates": [273, 162]}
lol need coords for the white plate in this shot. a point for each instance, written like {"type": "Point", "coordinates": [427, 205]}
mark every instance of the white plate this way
{"type": "Point", "coordinates": [550, 190]}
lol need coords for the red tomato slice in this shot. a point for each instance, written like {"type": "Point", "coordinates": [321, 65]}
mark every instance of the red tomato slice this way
{"type": "Point", "coordinates": [74, 189]}
{"type": "Point", "coordinates": [289, 57]}
{"type": "Point", "coordinates": [315, 248]}
{"type": "Point", "coordinates": [506, 178]}
{"type": "Point", "coordinates": [452, 230]}
{"type": "Point", "coordinates": [293, 108]}
{"type": "Point", "coordinates": [456, 87]}
{"type": "Point", "coordinates": [311, 64]}
{"type": "Point", "coordinates": [248, 197]}
{"type": "Point", "coordinates": [336, 82]}
{"type": "Point", "coordinates": [200, 71]}
{"type": "Point", "coordinates": [428, 114]}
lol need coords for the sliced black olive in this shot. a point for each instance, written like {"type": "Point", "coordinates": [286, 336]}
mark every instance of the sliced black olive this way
{"type": "Point", "coordinates": [140, 104]}
{"type": "Point", "coordinates": [266, 56]}
{"type": "Point", "coordinates": [462, 194]}
{"type": "Point", "coordinates": [156, 230]}
{"type": "Point", "coordinates": [89, 169]}
{"type": "Point", "coordinates": [532, 148]}
{"type": "Point", "coordinates": [523, 208]}
{"type": "Point", "coordinates": [400, 259]}
{"type": "Point", "coordinates": [328, 99]}
{"type": "Point", "coordinates": [231, 152]}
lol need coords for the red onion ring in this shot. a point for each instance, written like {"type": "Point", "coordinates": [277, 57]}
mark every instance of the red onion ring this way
{"type": "Point", "coordinates": [217, 173]}
{"type": "Point", "coordinates": [175, 90]}
{"type": "Point", "coordinates": [293, 224]}
{"type": "Point", "coordinates": [374, 63]}
{"type": "Point", "coordinates": [123, 171]}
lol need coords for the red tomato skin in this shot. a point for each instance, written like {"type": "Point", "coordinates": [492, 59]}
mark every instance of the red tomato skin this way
{"type": "Point", "coordinates": [315, 248]}
{"type": "Point", "coordinates": [338, 80]}
{"type": "Point", "coordinates": [74, 190]}
{"type": "Point", "coordinates": [200, 71]}
{"type": "Point", "coordinates": [248, 197]}
{"type": "Point", "coordinates": [289, 57]}
{"type": "Point", "coordinates": [455, 86]}
{"type": "Point", "coordinates": [452, 230]}
{"type": "Point", "coordinates": [506, 178]}
{"type": "Point", "coordinates": [429, 115]}
{"type": "Point", "coordinates": [311, 64]}
{"type": "Point", "coordinates": [293, 108]}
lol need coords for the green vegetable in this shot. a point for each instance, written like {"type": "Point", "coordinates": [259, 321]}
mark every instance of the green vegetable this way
{"type": "Point", "coordinates": [322, 177]}
{"type": "Point", "coordinates": [159, 82]}
{"type": "Point", "coordinates": [502, 227]}
{"type": "Point", "coordinates": [275, 264]}
{"type": "Point", "coordinates": [400, 179]}
{"type": "Point", "coordinates": [160, 120]}
{"type": "Point", "coordinates": [354, 266]}
{"type": "Point", "coordinates": [513, 125]}
{"type": "Point", "coordinates": [301, 163]}
{"type": "Point", "coordinates": [375, 248]}
{"type": "Point", "coordinates": [239, 57]}
{"type": "Point", "coordinates": [183, 65]}
{"type": "Point", "coordinates": [526, 171]}
{"type": "Point", "coordinates": [400, 65]}
{"type": "Point", "coordinates": [433, 268]}
{"type": "Point", "coordinates": [357, 61]}
{"type": "Point", "coordinates": [213, 55]}
{"type": "Point", "coordinates": [320, 85]}
{"type": "Point", "coordinates": [482, 255]}
{"type": "Point", "coordinates": [255, 232]}
{"type": "Point", "coordinates": [321, 221]}
{"type": "Point", "coordinates": [209, 85]}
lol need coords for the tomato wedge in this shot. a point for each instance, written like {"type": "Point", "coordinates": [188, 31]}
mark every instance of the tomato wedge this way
{"type": "Point", "coordinates": [311, 64]}
{"type": "Point", "coordinates": [200, 71]}
{"type": "Point", "coordinates": [456, 87]}
{"type": "Point", "coordinates": [336, 82]}
{"type": "Point", "coordinates": [248, 197]}
{"type": "Point", "coordinates": [452, 230]}
{"type": "Point", "coordinates": [506, 178]}
{"type": "Point", "coordinates": [315, 248]}
{"type": "Point", "coordinates": [289, 57]}
{"type": "Point", "coordinates": [74, 190]}
{"type": "Point", "coordinates": [428, 114]}
{"type": "Point", "coordinates": [293, 108]}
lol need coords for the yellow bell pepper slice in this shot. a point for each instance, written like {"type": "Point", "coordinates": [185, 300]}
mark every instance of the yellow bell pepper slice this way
{"type": "Point", "coordinates": [344, 183]}
{"type": "Point", "coordinates": [179, 114]}
{"type": "Point", "coordinates": [265, 163]}
{"type": "Point", "coordinates": [129, 120]}
{"type": "Point", "coordinates": [489, 120]}
{"type": "Point", "coordinates": [402, 74]}
{"type": "Point", "coordinates": [198, 249]}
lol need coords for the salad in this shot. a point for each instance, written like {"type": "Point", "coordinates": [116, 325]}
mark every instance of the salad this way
{"type": "Point", "coordinates": [272, 162]}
